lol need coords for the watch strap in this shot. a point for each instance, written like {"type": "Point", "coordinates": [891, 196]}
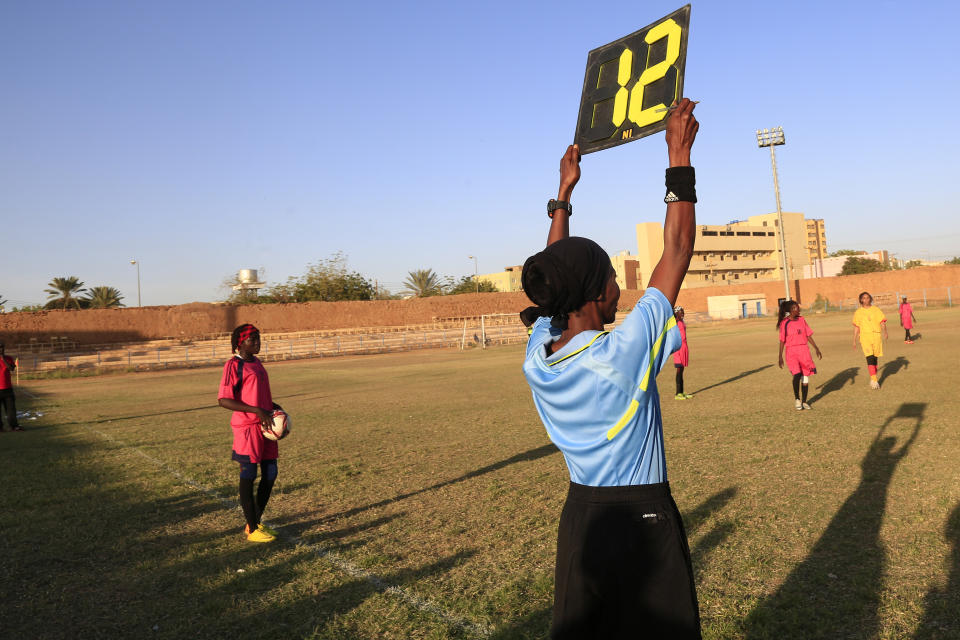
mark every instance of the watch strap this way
{"type": "Point", "coordinates": [553, 205]}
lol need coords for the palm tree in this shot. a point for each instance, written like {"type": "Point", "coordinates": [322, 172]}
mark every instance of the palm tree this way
{"type": "Point", "coordinates": [62, 292]}
{"type": "Point", "coordinates": [422, 283]}
{"type": "Point", "coordinates": [103, 298]}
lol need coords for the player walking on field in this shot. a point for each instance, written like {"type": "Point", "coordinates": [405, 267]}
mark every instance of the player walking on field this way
{"type": "Point", "coordinates": [869, 324]}
{"type": "Point", "coordinates": [795, 333]}
{"type": "Point", "coordinates": [8, 400]}
{"type": "Point", "coordinates": [623, 565]}
{"type": "Point", "coordinates": [906, 319]}
{"type": "Point", "coordinates": [245, 390]}
{"type": "Point", "coordinates": [681, 359]}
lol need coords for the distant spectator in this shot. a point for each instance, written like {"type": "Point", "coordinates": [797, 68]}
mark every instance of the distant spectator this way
{"type": "Point", "coordinates": [907, 319]}
{"type": "Point", "coordinates": [681, 358]}
{"type": "Point", "coordinates": [8, 400]}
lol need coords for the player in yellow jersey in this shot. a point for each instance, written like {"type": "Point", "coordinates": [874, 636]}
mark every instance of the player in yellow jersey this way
{"type": "Point", "coordinates": [869, 324]}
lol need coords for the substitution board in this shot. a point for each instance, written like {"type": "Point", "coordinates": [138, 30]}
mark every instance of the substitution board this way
{"type": "Point", "coordinates": [630, 84]}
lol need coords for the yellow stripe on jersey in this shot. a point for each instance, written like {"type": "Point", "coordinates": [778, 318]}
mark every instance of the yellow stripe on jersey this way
{"type": "Point", "coordinates": [622, 422]}
{"type": "Point", "coordinates": [570, 355]}
{"type": "Point", "coordinates": [634, 404]}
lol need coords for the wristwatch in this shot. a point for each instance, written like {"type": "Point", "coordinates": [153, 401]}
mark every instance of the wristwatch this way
{"type": "Point", "coordinates": [553, 205]}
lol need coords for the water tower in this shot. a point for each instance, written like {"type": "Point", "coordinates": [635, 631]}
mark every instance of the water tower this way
{"type": "Point", "coordinates": [247, 281]}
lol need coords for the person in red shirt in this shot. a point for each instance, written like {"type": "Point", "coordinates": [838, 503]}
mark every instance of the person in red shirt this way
{"type": "Point", "coordinates": [245, 390]}
{"type": "Point", "coordinates": [8, 400]}
{"type": "Point", "coordinates": [681, 357]}
{"type": "Point", "coordinates": [795, 333]}
{"type": "Point", "coordinates": [907, 319]}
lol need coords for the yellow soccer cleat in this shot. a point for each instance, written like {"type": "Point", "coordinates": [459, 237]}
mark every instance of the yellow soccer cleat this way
{"type": "Point", "coordinates": [267, 530]}
{"type": "Point", "coordinates": [257, 535]}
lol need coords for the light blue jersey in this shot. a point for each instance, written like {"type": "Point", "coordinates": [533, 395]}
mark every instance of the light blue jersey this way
{"type": "Point", "coordinates": [597, 396]}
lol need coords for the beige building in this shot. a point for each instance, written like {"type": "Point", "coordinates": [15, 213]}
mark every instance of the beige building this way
{"type": "Point", "coordinates": [741, 251]}
{"type": "Point", "coordinates": [816, 239]}
{"type": "Point", "coordinates": [628, 270]}
{"type": "Point", "coordinates": [625, 264]}
{"type": "Point", "coordinates": [506, 280]}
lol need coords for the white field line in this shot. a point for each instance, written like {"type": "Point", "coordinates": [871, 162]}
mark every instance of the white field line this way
{"type": "Point", "coordinates": [323, 552]}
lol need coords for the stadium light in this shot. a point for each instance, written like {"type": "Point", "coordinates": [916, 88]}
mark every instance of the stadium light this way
{"type": "Point", "coordinates": [476, 278]}
{"type": "Point", "coordinates": [771, 138]}
{"type": "Point", "coordinates": [137, 262]}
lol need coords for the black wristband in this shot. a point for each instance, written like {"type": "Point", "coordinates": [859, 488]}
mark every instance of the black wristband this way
{"type": "Point", "coordinates": [681, 185]}
{"type": "Point", "coordinates": [553, 205]}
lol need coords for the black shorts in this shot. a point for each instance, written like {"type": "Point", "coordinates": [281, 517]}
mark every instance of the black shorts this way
{"type": "Point", "coordinates": [623, 566]}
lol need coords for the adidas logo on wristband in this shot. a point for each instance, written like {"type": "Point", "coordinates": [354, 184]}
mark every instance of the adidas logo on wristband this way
{"type": "Point", "coordinates": [671, 197]}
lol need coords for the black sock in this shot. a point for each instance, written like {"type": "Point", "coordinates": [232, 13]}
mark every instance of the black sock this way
{"type": "Point", "coordinates": [679, 380]}
{"type": "Point", "coordinates": [796, 386]}
{"type": "Point", "coordinates": [908, 334]}
{"type": "Point", "coordinates": [246, 502]}
{"type": "Point", "coordinates": [263, 494]}
{"type": "Point", "coordinates": [804, 388]}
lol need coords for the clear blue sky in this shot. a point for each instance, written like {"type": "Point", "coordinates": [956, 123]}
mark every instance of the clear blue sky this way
{"type": "Point", "coordinates": [204, 137]}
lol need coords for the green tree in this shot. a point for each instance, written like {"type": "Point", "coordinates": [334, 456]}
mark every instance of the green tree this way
{"type": "Point", "coordinates": [423, 283]}
{"type": "Point", "coordinates": [326, 281]}
{"type": "Point", "coordinates": [103, 298]}
{"type": "Point", "coordinates": [27, 308]}
{"type": "Point", "coordinates": [63, 292]}
{"type": "Point", "coordinates": [910, 264]}
{"type": "Point", "coordinates": [845, 252]}
{"type": "Point", "coordinates": [467, 284]}
{"type": "Point", "coordinates": [855, 265]}
{"type": "Point", "coordinates": [954, 260]}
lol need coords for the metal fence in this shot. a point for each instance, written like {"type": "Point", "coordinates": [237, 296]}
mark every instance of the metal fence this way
{"type": "Point", "coordinates": [918, 298]}
{"type": "Point", "coordinates": [481, 332]}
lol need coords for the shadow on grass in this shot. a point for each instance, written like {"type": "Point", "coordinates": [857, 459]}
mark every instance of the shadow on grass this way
{"type": "Point", "coordinates": [135, 417]}
{"type": "Point", "coordinates": [892, 368]}
{"type": "Point", "coordinates": [835, 592]}
{"type": "Point", "coordinates": [941, 617]}
{"type": "Point", "coordinates": [533, 626]}
{"type": "Point", "coordinates": [106, 546]}
{"type": "Point", "coordinates": [716, 536]}
{"type": "Point", "coordinates": [835, 383]}
{"type": "Point", "coordinates": [526, 456]}
{"type": "Point", "coordinates": [742, 374]}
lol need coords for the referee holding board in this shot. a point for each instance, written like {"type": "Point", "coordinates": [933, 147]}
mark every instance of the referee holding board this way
{"type": "Point", "coordinates": [623, 564]}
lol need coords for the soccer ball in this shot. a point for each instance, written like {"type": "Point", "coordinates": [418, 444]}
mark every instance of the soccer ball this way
{"type": "Point", "coordinates": [280, 427]}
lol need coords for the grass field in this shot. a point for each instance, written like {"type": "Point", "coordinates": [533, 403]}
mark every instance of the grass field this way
{"type": "Point", "coordinates": [418, 497]}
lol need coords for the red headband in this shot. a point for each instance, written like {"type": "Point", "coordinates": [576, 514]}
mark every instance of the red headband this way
{"type": "Point", "coordinates": [248, 331]}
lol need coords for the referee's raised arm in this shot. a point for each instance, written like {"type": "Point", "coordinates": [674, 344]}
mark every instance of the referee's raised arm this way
{"type": "Point", "coordinates": [679, 228]}
{"type": "Point", "coordinates": [560, 209]}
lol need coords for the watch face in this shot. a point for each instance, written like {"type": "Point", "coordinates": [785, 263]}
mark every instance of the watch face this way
{"type": "Point", "coordinates": [630, 83]}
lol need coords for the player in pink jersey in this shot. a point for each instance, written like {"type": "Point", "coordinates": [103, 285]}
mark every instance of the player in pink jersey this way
{"type": "Point", "coordinates": [681, 357]}
{"type": "Point", "coordinates": [245, 390]}
{"type": "Point", "coordinates": [907, 319]}
{"type": "Point", "coordinates": [795, 333]}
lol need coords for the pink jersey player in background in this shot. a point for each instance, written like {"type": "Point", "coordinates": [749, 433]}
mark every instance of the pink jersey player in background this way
{"type": "Point", "coordinates": [907, 319]}
{"type": "Point", "coordinates": [681, 357]}
{"type": "Point", "coordinates": [795, 333]}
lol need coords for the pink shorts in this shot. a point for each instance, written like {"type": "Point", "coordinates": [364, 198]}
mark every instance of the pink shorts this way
{"type": "Point", "coordinates": [799, 361]}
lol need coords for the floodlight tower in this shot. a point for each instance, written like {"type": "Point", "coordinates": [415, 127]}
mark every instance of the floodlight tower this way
{"type": "Point", "coordinates": [476, 272]}
{"type": "Point", "coordinates": [771, 138]}
{"type": "Point", "coordinates": [137, 263]}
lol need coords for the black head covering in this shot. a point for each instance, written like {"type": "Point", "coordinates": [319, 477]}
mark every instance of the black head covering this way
{"type": "Point", "coordinates": [565, 276]}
